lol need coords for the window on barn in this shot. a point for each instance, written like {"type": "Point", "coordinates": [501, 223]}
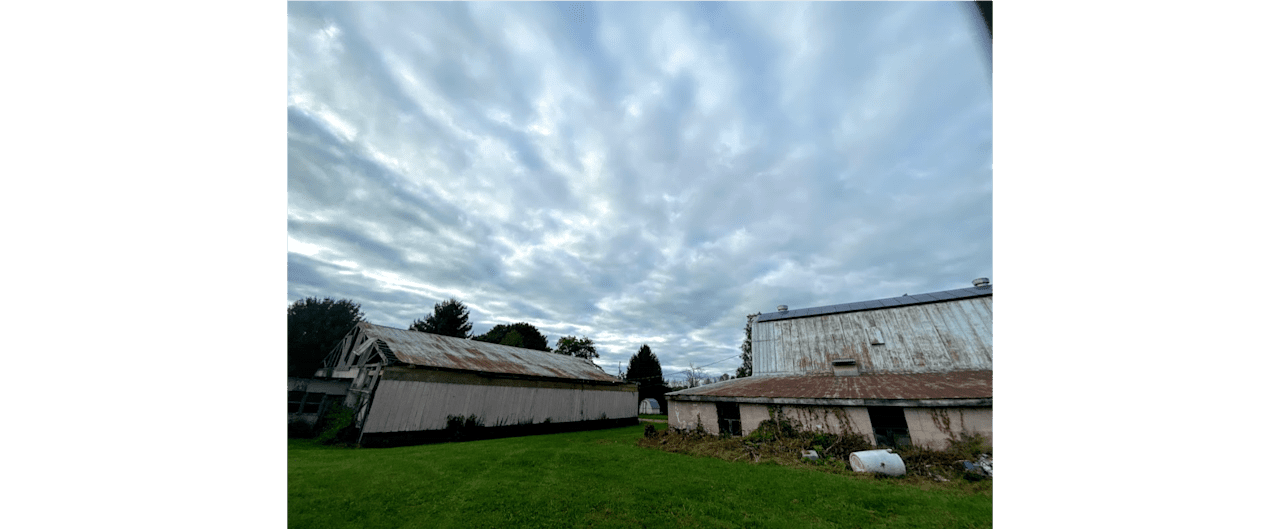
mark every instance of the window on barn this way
{"type": "Point", "coordinates": [889, 425]}
{"type": "Point", "coordinates": [311, 404]}
{"type": "Point", "coordinates": [295, 400]}
{"type": "Point", "coordinates": [728, 418]}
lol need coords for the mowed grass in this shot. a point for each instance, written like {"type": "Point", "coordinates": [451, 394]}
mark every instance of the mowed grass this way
{"type": "Point", "coordinates": [595, 479]}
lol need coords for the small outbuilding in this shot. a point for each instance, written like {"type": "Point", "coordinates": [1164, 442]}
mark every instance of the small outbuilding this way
{"type": "Point", "coordinates": [904, 370]}
{"type": "Point", "coordinates": [410, 387]}
{"type": "Point", "coordinates": [650, 407]}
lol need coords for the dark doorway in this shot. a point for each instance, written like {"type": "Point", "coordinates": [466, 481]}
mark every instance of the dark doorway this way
{"type": "Point", "coordinates": [889, 425]}
{"type": "Point", "coordinates": [727, 418]}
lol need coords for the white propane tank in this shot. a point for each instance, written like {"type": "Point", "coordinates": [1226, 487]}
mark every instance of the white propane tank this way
{"type": "Point", "coordinates": [878, 461]}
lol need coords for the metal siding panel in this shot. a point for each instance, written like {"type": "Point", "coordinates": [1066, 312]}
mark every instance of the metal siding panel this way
{"type": "Point", "coordinates": [396, 405]}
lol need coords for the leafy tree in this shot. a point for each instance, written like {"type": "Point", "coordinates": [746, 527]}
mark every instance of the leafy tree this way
{"type": "Point", "coordinates": [745, 369]}
{"type": "Point", "coordinates": [513, 339]}
{"type": "Point", "coordinates": [574, 346]}
{"type": "Point", "coordinates": [449, 319]}
{"type": "Point", "coordinates": [316, 326]}
{"type": "Point", "coordinates": [517, 335]}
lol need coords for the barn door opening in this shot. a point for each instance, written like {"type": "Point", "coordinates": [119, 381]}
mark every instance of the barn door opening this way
{"type": "Point", "coordinates": [889, 425]}
{"type": "Point", "coordinates": [727, 418]}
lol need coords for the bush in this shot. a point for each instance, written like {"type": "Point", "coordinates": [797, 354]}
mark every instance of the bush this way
{"type": "Point", "coordinates": [300, 430]}
{"type": "Point", "coordinates": [460, 427]}
{"type": "Point", "coordinates": [945, 463]}
{"type": "Point", "coordinates": [338, 426]}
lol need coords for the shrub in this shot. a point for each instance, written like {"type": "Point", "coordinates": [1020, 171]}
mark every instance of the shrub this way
{"type": "Point", "coordinates": [460, 427]}
{"type": "Point", "coordinates": [337, 426]}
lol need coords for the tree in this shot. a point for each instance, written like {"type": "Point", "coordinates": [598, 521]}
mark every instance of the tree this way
{"type": "Point", "coordinates": [644, 368]}
{"type": "Point", "coordinates": [694, 376]}
{"type": "Point", "coordinates": [745, 369]}
{"type": "Point", "coordinates": [517, 335]}
{"type": "Point", "coordinates": [316, 326]}
{"type": "Point", "coordinates": [574, 346]}
{"type": "Point", "coordinates": [449, 319]}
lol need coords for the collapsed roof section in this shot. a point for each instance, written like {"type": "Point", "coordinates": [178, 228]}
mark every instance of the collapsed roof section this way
{"type": "Point", "coordinates": [372, 344]}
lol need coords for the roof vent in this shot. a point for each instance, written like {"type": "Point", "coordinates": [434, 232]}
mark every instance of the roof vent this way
{"type": "Point", "coordinates": [782, 308]}
{"type": "Point", "coordinates": [981, 282]}
{"type": "Point", "coordinates": [845, 367]}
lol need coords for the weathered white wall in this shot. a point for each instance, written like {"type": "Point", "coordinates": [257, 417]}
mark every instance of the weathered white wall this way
{"type": "Point", "coordinates": [838, 419]}
{"type": "Point", "coordinates": [947, 336]}
{"type": "Point", "coordinates": [407, 405]}
{"type": "Point", "coordinates": [685, 415]}
{"type": "Point", "coordinates": [932, 427]}
{"type": "Point", "coordinates": [928, 427]}
{"type": "Point", "coordinates": [752, 415]}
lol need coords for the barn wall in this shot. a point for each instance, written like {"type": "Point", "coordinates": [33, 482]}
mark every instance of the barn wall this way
{"type": "Point", "coordinates": [409, 405]}
{"type": "Point", "coordinates": [840, 419]}
{"type": "Point", "coordinates": [932, 427]}
{"type": "Point", "coordinates": [928, 427]}
{"type": "Point", "coordinates": [684, 415]}
{"type": "Point", "coordinates": [934, 337]}
{"type": "Point", "coordinates": [752, 415]}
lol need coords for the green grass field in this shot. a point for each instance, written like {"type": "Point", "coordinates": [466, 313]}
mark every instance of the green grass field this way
{"type": "Point", "coordinates": [595, 479]}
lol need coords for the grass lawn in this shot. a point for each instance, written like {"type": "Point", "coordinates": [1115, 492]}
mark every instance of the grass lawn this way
{"type": "Point", "coordinates": [647, 416]}
{"type": "Point", "coordinates": [595, 479]}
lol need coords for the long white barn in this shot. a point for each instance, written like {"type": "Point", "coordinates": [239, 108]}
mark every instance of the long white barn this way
{"type": "Point", "coordinates": [409, 387]}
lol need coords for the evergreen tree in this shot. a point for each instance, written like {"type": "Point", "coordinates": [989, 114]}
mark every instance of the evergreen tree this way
{"type": "Point", "coordinates": [645, 369]}
{"type": "Point", "coordinates": [745, 369]}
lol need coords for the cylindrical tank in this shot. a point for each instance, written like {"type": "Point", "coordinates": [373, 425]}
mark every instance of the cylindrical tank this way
{"type": "Point", "coordinates": [878, 461]}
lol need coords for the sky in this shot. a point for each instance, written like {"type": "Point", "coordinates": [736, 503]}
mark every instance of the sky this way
{"type": "Point", "coordinates": [636, 173]}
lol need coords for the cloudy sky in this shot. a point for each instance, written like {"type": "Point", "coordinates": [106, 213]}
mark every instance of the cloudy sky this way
{"type": "Point", "coordinates": [638, 173]}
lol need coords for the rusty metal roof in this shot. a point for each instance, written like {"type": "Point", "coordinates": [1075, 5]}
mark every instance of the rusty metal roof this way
{"type": "Point", "coordinates": [904, 386]}
{"type": "Point", "coordinates": [914, 299]}
{"type": "Point", "coordinates": [432, 350]}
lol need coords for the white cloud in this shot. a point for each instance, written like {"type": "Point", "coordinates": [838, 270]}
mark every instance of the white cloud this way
{"type": "Point", "coordinates": [651, 177]}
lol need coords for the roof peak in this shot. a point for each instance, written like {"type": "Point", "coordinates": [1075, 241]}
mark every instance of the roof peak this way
{"type": "Point", "coordinates": [906, 299]}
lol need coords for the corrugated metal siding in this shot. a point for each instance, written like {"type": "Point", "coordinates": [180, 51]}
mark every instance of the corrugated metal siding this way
{"type": "Point", "coordinates": [407, 406]}
{"type": "Point", "coordinates": [921, 338]}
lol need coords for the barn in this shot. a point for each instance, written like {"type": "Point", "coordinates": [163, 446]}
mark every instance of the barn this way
{"type": "Point", "coordinates": [411, 387]}
{"type": "Point", "coordinates": [914, 369]}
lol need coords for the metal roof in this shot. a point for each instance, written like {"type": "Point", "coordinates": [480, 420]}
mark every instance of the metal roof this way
{"type": "Point", "coordinates": [914, 299]}
{"type": "Point", "coordinates": [432, 350]}
{"type": "Point", "coordinates": [905, 386]}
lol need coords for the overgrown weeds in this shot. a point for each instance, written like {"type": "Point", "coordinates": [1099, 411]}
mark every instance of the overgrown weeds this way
{"type": "Point", "coordinates": [337, 427]}
{"type": "Point", "coordinates": [780, 441]}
